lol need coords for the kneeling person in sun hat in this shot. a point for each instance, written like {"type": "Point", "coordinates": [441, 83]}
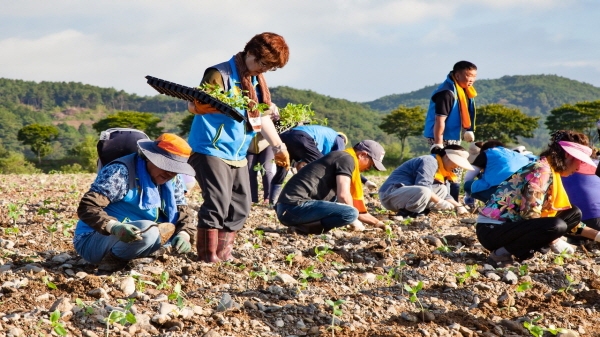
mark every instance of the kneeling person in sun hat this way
{"type": "Point", "coordinates": [137, 204]}
{"type": "Point", "coordinates": [328, 192]}
{"type": "Point", "coordinates": [420, 185]}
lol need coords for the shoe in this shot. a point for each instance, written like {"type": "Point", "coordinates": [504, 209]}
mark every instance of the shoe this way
{"type": "Point", "coordinates": [110, 263]}
{"type": "Point", "coordinates": [500, 261]}
{"type": "Point", "coordinates": [314, 227]}
{"type": "Point", "coordinates": [408, 214]}
{"type": "Point", "coordinates": [207, 244]}
{"type": "Point", "coordinates": [225, 245]}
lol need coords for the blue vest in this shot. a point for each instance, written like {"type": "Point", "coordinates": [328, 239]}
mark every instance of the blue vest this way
{"type": "Point", "coordinates": [216, 134]}
{"type": "Point", "coordinates": [324, 137]}
{"type": "Point", "coordinates": [501, 164]}
{"type": "Point", "coordinates": [127, 209]}
{"type": "Point", "coordinates": [453, 125]}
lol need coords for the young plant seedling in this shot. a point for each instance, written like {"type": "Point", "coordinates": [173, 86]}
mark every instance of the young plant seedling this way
{"type": "Point", "coordinates": [534, 330]}
{"type": "Point", "coordinates": [471, 271]}
{"type": "Point", "coordinates": [66, 228]}
{"type": "Point", "coordinates": [570, 283]}
{"type": "Point", "coordinates": [48, 283]}
{"type": "Point", "coordinates": [445, 248]}
{"type": "Point", "coordinates": [122, 317]}
{"type": "Point", "coordinates": [178, 296]}
{"type": "Point", "coordinates": [140, 283]}
{"type": "Point", "coordinates": [290, 258]}
{"type": "Point", "coordinates": [319, 253]}
{"type": "Point", "coordinates": [163, 278]}
{"type": "Point", "coordinates": [413, 291]}
{"type": "Point", "coordinates": [308, 273]}
{"type": "Point", "coordinates": [389, 277]}
{"type": "Point", "coordinates": [14, 212]}
{"type": "Point", "coordinates": [336, 312]}
{"type": "Point", "coordinates": [56, 324]}
{"type": "Point", "coordinates": [52, 229]}
{"type": "Point", "coordinates": [523, 270]}
{"type": "Point", "coordinates": [524, 287]}
{"type": "Point", "coordinates": [259, 168]}
{"type": "Point", "coordinates": [87, 309]}
{"type": "Point", "coordinates": [560, 258]}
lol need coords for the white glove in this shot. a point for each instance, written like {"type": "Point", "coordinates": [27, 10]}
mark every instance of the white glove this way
{"type": "Point", "coordinates": [441, 146]}
{"type": "Point", "coordinates": [559, 246]}
{"type": "Point", "coordinates": [443, 205]}
{"type": "Point", "coordinates": [461, 210]}
{"type": "Point", "coordinates": [468, 136]}
{"type": "Point", "coordinates": [356, 226]}
{"type": "Point", "coordinates": [597, 239]}
{"type": "Point", "coordinates": [371, 185]}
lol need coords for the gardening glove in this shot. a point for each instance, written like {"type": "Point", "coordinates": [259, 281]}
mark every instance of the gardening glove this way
{"type": "Point", "coordinates": [441, 146]}
{"type": "Point", "coordinates": [461, 210]}
{"type": "Point", "coordinates": [597, 239]}
{"type": "Point", "coordinates": [356, 226]}
{"type": "Point", "coordinates": [371, 185]}
{"type": "Point", "coordinates": [282, 156]}
{"type": "Point", "coordinates": [443, 205]}
{"type": "Point", "coordinates": [124, 232]}
{"type": "Point", "coordinates": [181, 243]}
{"type": "Point", "coordinates": [203, 108]}
{"type": "Point", "coordinates": [559, 246]}
{"type": "Point", "coordinates": [468, 136]}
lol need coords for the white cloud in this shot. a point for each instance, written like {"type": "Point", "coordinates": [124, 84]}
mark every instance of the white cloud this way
{"type": "Point", "coordinates": [355, 49]}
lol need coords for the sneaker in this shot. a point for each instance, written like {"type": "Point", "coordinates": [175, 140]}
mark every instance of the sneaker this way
{"type": "Point", "coordinates": [500, 261]}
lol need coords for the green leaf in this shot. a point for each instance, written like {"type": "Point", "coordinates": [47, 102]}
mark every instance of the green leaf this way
{"type": "Point", "coordinates": [130, 318]}
{"type": "Point", "coordinates": [55, 316]}
{"type": "Point", "coordinates": [60, 330]}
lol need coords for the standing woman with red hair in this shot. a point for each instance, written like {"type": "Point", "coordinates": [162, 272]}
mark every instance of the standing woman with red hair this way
{"type": "Point", "coordinates": [219, 143]}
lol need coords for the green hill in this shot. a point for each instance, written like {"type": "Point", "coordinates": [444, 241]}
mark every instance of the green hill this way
{"type": "Point", "coordinates": [535, 95]}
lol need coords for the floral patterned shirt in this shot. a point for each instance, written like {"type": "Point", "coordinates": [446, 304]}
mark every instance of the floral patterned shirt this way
{"type": "Point", "coordinates": [523, 195]}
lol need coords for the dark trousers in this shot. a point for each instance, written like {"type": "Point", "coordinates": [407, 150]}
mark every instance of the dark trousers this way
{"type": "Point", "coordinates": [225, 190]}
{"type": "Point", "coordinates": [265, 158]}
{"type": "Point", "coordinates": [523, 238]}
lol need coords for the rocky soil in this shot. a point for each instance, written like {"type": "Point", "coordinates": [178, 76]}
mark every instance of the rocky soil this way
{"type": "Point", "coordinates": [425, 277]}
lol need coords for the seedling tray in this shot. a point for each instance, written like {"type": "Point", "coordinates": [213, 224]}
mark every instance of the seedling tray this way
{"type": "Point", "coordinates": [193, 94]}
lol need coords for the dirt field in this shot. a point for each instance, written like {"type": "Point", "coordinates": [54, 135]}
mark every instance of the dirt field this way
{"type": "Point", "coordinates": [420, 278]}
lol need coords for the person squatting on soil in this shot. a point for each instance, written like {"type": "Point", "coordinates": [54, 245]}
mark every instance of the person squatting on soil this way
{"type": "Point", "coordinates": [530, 211]}
{"type": "Point", "coordinates": [584, 192]}
{"type": "Point", "coordinates": [451, 112]}
{"type": "Point", "coordinates": [306, 144]}
{"type": "Point", "coordinates": [328, 192]}
{"type": "Point", "coordinates": [135, 205]}
{"type": "Point", "coordinates": [419, 185]}
{"type": "Point", "coordinates": [493, 165]}
{"type": "Point", "coordinates": [219, 143]}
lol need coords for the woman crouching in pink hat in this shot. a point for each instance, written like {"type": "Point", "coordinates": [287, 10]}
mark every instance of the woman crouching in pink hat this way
{"type": "Point", "coordinates": [530, 211]}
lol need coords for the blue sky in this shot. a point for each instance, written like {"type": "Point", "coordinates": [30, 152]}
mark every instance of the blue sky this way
{"type": "Point", "coordinates": [357, 50]}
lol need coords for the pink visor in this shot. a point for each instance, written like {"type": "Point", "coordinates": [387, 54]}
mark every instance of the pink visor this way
{"type": "Point", "coordinates": [581, 153]}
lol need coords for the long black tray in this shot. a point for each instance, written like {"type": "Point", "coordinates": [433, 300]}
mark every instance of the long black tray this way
{"type": "Point", "coordinates": [192, 94]}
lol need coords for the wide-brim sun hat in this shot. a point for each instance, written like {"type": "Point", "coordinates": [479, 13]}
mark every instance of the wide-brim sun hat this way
{"type": "Point", "coordinates": [168, 152]}
{"type": "Point", "coordinates": [460, 158]}
{"type": "Point", "coordinates": [581, 153]}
